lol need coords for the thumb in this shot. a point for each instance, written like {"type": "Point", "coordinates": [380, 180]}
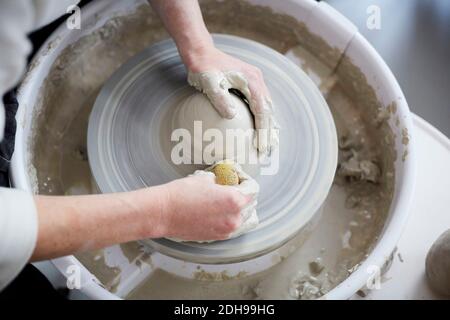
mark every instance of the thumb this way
{"type": "Point", "coordinates": [208, 176]}
{"type": "Point", "coordinates": [215, 85]}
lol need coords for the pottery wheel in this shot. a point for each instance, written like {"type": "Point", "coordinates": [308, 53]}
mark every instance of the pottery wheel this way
{"type": "Point", "coordinates": [129, 125]}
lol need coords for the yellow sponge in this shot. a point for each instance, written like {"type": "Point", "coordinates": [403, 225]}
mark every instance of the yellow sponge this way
{"type": "Point", "coordinates": [225, 174]}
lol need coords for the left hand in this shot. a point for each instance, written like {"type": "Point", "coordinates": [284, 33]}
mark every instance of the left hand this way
{"type": "Point", "coordinates": [248, 187]}
{"type": "Point", "coordinates": [214, 72]}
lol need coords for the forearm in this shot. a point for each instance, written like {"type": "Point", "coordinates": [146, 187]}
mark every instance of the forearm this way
{"type": "Point", "coordinates": [184, 22]}
{"type": "Point", "coordinates": [74, 224]}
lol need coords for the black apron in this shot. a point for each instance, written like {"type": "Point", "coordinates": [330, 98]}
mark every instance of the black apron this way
{"type": "Point", "coordinates": [7, 144]}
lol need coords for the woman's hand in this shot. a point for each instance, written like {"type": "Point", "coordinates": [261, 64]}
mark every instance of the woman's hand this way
{"type": "Point", "coordinates": [192, 208]}
{"type": "Point", "coordinates": [199, 209]}
{"type": "Point", "coordinates": [214, 73]}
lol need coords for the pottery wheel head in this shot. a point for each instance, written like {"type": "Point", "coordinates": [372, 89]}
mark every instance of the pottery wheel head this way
{"type": "Point", "coordinates": [131, 126]}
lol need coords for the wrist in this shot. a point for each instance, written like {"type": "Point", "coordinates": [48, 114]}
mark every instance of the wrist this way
{"type": "Point", "coordinates": [190, 53]}
{"type": "Point", "coordinates": [152, 212]}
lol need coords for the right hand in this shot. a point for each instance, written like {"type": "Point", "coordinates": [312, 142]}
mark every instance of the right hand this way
{"type": "Point", "coordinates": [214, 72]}
{"type": "Point", "coordinates": [198, 209]}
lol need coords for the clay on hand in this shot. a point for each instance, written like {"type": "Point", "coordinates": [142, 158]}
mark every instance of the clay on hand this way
{"type": "Point", "coordinates": [247, 186]}
{"type": "Point", "coordinates": [217, 84]}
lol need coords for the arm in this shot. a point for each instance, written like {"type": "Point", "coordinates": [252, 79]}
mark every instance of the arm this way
{"type": "Point", "coordinates": [213, 72]}
{"type": "Point", "coordinates": [184, 22]}
{"type": "Point", "coordinates": [193, 208]}
{"type": "Point", "coordinates": [18, 221]}
{"type": "Point", "coordinates": [79, 223]}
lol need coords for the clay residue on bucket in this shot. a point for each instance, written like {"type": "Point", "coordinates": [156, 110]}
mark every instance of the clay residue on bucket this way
{"type": "Point", "coordinates": [107, 275]}
{"type": "Point", "coordinates": [69, 92]}
{"type": "Point", "coordinates": [364, 181]}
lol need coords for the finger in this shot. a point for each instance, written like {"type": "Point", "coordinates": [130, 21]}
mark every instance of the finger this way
{"type": "Point", "coordinates": [209, 176]}
{"type": "Point", "coordinates": [249, 216]}
{"type": "Point", "coordinates": [238, 199]}
{"type": "Point", "coordinates": [238, 80]}
{"type": "Point", "coordinates": [248, 187]}
{"type": "Point", "coordinates": [215, 85]}
{"type": "Point", "coordinates": [243, 200]}
{"type": "Point", "coordinates": [261, 101]}
{"type": "Point", "coordinates": [249, 223]}
{"type": "Point", "coordinates": [267, 132]}
{"type": "Point", "coordinates": [266, 137]}
{"type": "Point", "coordinates": [231, 223]}
{"type": "Point", "coordinates": [262, 126]}
{"type": "Point", "coordinates": [274, 134]}
{"type": "Point", "coordinates": [248, 210]}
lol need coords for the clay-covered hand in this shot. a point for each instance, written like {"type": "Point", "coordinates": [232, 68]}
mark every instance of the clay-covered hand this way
{"type": "Point", "coordinates": [247, 186]}
{"type": "Point", "coordinates": [198, 209]}
{"type": "Point", "coordinates": [214, 73]}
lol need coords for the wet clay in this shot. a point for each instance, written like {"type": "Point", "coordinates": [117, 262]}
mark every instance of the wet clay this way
{"type": "Point", "coordinates": [438, 265]}
{"type": "Point", "coordinates": [364, 182]}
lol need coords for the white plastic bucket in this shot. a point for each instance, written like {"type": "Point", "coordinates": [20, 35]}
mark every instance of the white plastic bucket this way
{"type": "Point", "coordinates": [321, 20]}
